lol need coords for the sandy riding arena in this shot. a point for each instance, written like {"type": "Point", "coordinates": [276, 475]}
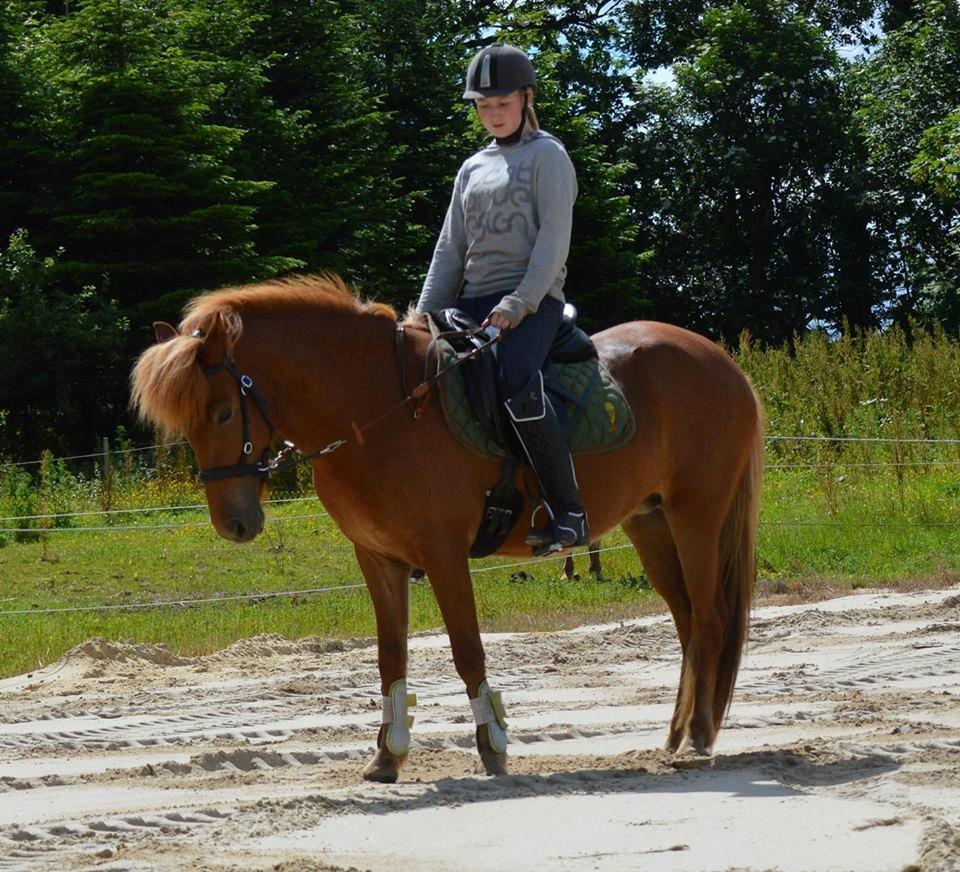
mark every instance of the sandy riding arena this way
{"type": "Point", "coordinates": [841, 752]}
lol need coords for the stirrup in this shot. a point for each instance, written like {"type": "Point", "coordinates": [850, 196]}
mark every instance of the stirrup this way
{"type": "Point", "coordinates": [539, 537]}
{"type": "Point", "coordinates": [566, 529]}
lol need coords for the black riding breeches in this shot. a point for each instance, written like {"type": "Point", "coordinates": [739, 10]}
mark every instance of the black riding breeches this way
{"type": "Point", "coordinates": [523, 350]}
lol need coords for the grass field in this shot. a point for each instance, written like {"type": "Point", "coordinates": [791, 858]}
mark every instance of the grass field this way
{"type": "Point", "coordinates": [858, 528]}
{"type": "Point", "coordinates": [74, 568]}
{"type": "Point", "coordinates": [835, 513]}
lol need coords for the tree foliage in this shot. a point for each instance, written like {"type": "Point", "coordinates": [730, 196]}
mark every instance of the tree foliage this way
{"type": "Point", "coordinates": [63, 352]}
{"type": "Point", "coordinates": [760, 164]}
{"type": "Point", "coordinates": [750, 135]}
{"type": "Point", "coordinates": [148, 198]}
{"type": "Point", "coordinates": [909, 103]}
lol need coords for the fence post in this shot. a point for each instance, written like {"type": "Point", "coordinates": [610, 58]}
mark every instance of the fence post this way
{"type": "Point", "coordinates": [107, 476]}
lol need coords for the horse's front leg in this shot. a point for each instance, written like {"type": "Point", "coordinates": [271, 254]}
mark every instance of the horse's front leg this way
{"type": "Point", "coordinates": [449, 576]}
{"type": "Point", "coordinates": [387, 582]}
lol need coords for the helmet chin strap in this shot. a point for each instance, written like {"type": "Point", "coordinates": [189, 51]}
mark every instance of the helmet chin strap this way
{"type": "Point", "coordinates": [514, 137]}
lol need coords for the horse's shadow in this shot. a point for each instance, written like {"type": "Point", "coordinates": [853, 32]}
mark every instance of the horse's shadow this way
{"type": "Point", "coordinates": [774, 774]}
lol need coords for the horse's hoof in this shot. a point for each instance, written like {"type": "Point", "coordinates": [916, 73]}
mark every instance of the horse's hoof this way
{"type": "Point", "coordinates": [702, 736]}
{"type": "Point", "coordinates": [686, 759]}
{"type": "Point", "coordinates": [384, 767]}
{"type": "Point", "coordinates": [493, 763]}
{"type": "Point", "coordinates": [692, 754]}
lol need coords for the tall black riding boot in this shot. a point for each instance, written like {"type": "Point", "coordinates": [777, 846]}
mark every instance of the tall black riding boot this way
{"type": "Point", "coordinates": [545, 444]}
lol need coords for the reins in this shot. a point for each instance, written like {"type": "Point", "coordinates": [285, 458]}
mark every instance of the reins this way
{"type": "Point", "coordinates": [420, 392]}
{"type": "Point", "coordinates": [246, 388]}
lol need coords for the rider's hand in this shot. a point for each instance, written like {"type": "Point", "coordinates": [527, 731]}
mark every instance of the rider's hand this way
{"type": "Point", "coordinates": [497, 320]}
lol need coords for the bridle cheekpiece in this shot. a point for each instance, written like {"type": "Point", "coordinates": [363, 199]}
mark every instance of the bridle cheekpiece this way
{"type": "Point", "coordinates": [246, 388]}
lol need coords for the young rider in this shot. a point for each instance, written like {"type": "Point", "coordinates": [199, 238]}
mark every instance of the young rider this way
{"type": "Point", "coordinates": [503, 251]}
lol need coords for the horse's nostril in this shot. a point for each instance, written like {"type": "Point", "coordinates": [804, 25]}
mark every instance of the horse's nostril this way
{"type": "Point", "coordinates": [237, 528]}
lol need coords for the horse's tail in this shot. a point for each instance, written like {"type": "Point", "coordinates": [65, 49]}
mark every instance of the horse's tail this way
{"type": "Point", "coordinates": [738, 569]}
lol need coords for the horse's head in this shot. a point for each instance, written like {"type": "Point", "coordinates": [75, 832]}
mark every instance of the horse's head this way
{"type": "Point", "coordinates": [187, 385]}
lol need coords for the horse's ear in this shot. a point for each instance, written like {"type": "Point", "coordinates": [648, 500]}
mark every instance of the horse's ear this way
{"type": "Point", "coordinates": [164, 331]}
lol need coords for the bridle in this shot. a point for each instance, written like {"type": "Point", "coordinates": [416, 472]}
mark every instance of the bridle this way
{"type": "Point", "coordinates": [246, 388]}
{"type": "Point", "coordinates": [263, 469]}
{"type": "Point", "coordinates": [266, 465]}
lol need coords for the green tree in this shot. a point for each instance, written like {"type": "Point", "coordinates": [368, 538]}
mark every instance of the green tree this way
{"type": "Point", "coordinates": [23, 154]}
{"type": "Point", "coordinates": [411, 61]}
{"type": "Point", "coordinates": [59, 383]}
{"type": "Point", "coordinates": [740, 151]}
{"type": "Point", "coordinates": [855, 295]}
{"type": "Point", "coordinates": [909, 96]}
{"type": "Point", "coordinates": [149, 202]}
{"type": "Point", "coordinates": [290, 77]}
{"type": "Point", "coordinates": [660, 32]}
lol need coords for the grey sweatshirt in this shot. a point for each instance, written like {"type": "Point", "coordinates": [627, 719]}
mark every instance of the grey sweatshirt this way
{"type": "Point", "coordinates": [507, 228]}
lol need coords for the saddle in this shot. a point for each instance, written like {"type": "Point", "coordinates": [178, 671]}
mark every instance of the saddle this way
{"type": "Point", "coordinates": [589, 404]}
{"type": "Point", "coordinates": [479, 374]}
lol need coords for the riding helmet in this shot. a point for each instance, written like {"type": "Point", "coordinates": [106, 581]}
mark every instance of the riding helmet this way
{"type": "Point", "coordinates": [497, 70]}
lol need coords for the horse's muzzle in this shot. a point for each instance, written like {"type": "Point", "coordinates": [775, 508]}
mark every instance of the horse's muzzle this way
{"type": "Point", "coordinates": [244, 527]}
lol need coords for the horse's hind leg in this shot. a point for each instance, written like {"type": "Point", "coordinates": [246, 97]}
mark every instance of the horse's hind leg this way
{"type": "Point", "coordinates": [450, 579]}
{"type": "Point", "coordinates": [596, 570]}
{"type": "Point", "coordinates": [389, 589]}
{"type": "Point", "coordinates": [697, 535]}
{"type": "Point", "coordinates": [651, 536]}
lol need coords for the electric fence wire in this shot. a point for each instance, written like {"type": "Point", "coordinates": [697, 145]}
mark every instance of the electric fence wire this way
{"type": "Point", "coordinates": [770, 438]}
{"type": "Point", "coordinates": [93, 454]}
{"type": "Point", "coordinates": [264, 594]}
{"type": "Point", "coordinates": [498, 567]}
{"type": "Point", "coordinates": [126, 528]}
{"type": "Point", "coordinates": [138, 510]}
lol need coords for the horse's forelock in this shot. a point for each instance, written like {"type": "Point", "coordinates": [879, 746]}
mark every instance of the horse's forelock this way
{"type": "Point", "coordinates": [168, 388]}
{"type": "Point", "coordinates": [213, 320]}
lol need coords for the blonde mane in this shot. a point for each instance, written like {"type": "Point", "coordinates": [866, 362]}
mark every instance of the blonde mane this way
{"type": "Point", "coordinates": [413, 318]}
{"type": "Point", "coordinates": [281, 295]}
{"type": "Point", "coordinates": [168, 388]}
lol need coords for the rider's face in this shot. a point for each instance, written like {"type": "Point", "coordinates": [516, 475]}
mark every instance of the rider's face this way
{"type": "Point", "coordinates": [501, 115]}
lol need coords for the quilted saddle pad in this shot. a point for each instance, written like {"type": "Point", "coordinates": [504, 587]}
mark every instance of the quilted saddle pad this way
{"type": "Point", "coordinates": [598, 420]}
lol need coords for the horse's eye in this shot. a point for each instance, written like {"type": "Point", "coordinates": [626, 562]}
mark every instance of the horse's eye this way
{"type": "Point", "coordinates": [224, 416]}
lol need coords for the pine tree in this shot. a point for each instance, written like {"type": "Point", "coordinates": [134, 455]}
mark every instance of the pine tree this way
{"type": "Point", "coordinates": [295, 81]}
{"type": "Point", "coordinates": [150, 203]}
{"type": "Point", "coordinates": [413, 55]}
{"type": "Point", "coordinates": [23, 155]}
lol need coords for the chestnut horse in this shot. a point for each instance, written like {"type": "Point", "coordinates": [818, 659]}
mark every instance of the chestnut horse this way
{"type": "Point", "coordinates": [315, 361]}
